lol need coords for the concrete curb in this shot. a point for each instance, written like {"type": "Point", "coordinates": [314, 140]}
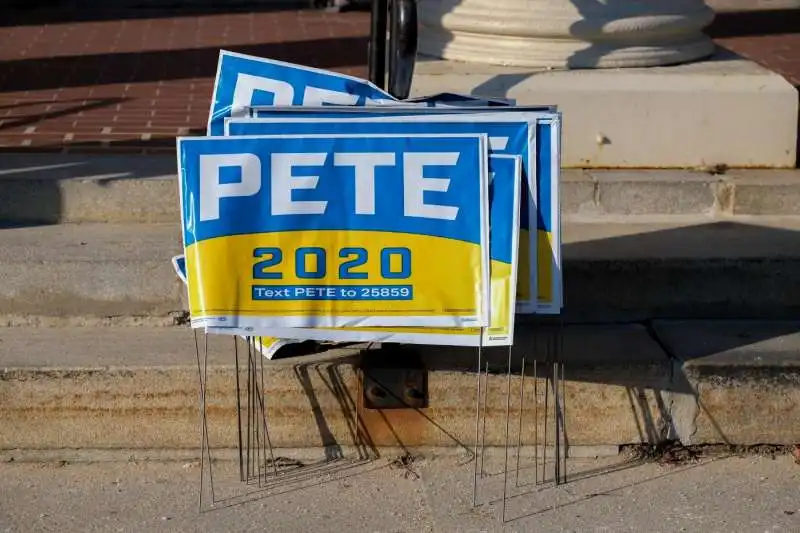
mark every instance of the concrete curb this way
{"type": "Point", "coordinates": [123, 388]}
{"type": "Point", "coordinates": [654, 117]}
{"type": "Point", "coordinates": [744, 379]}
{"type": "Point", "coordinates": [73, 188]}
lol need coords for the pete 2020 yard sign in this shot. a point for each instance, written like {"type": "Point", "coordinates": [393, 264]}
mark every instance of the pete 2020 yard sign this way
{"type": "Point", "coordinates": [336, 230]}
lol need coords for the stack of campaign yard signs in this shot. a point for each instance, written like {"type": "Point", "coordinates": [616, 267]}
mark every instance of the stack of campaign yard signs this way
{"type": "Point", "coordinates": [321, 208]}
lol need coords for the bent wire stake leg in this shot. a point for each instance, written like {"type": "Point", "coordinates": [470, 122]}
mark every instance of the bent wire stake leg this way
{"type": "Point", "coordinates": [557, 423]}
{"type": "Point", "coordinates": [544, 437]}
{"type": "Point", "coordinates": [266, 419]}
{"type": "Point", "coordinates": [238, 408]}
{"type": "Point", "coordinates": [564, 419]}
{"type": "Point", "coordinates": [250, 414]}
{"type": "Point", "coordinates": [257, 397]}
{"type": "Point", "coordinates": [202, 425]}
{"type": "Point", "coordinates": [508, 414]}
{"type": "Point", "coordinates": [483, 431]}
{"type": "Point", "coordinates": [205, 424]}
{"type": "Point", "coordinates": [560, 351]}
{"type": "Point", "coordinates": [535, 424]}
{"type": "Point", "coordinates": [477, 426]}
{"type": "Point", "coordinates": [202, 373]}
{"type": "Point", "coordinates": [519, 418]}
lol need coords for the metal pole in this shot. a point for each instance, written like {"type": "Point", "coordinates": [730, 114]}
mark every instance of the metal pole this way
{"type": "Point", "coordinates": [402, 47]}
{"type": "Point", "coordinates": [377, 43]}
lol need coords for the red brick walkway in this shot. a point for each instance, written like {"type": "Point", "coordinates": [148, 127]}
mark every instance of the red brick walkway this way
{"type": "Point", "coordinates": [134, 83]}
{"type": "Point", "coordinates": [140, 82]}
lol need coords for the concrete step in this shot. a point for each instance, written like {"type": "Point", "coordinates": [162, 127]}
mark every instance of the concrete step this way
{"type": "Point", "coordinates": [631, 269]}
{"type": "Point", "coordinates": [60, 188]}
{"type": "Point", "coordinates": [657, 117]}
{"type": "Point", "coordinates": [700, 382]}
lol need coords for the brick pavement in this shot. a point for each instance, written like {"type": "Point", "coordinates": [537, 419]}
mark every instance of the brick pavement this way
{"type": "Point", "coordinates": [139, 82]}
{"type": "Point", "coordinates": [135, 83]}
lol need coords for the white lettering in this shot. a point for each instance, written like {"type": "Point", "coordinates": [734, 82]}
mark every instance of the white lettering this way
{"type": "Point", "coordinates": [364, 164]}
{"type": "Point", "coordinates": [212, 191]}
{"type": "Point", "coordinates": [314, 96]}
{"type": "Point", "coordinates": [247, 85]}
{"type": "Point", "coordinates": [284, 182]}
{"type": "Point", "coordinates": [498, 143]}
{"type": "Point", "coordinates": [415, 185]}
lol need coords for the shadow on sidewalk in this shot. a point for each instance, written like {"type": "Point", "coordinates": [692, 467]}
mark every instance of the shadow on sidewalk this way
{"type": "Point", "coordinates": [139, 67]}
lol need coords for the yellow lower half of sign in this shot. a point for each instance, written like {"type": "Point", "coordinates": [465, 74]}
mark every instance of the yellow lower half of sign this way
{"type": "Point", "coordinates": [547, 275]}
{"type": "Point", "coordinates": [500, 331]}
{"type": "Point", "coordinates": [335, 273]}
{"type": "Point", "coordinates": [524, 296]}
{"type": "Point", "coordinates": [500, 324]}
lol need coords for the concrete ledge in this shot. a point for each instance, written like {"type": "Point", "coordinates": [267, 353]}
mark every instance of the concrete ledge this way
{"type": "Point", "coordinates": [742, 380]}
{"type": "Point", "coordinates": [52, 188]}
{"type": "Point", "coordinates": [95, 270]}
{"type": "Point", "coordinates": [73, 188]}
{"type": "Point", "coordinates": [137, 388]}
{"type": "Point", "coordinates": [657, 117]}
{"type": "Point", "coordinates": [621, 269]}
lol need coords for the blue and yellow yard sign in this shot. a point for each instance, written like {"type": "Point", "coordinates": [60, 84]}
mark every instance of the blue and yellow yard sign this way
{"type": "Point", "coordinates": [504, 206]}
{"type": "Point", "coordinates": [547, 241]}
{"type": "Point", "coordinates": [509, 138]}
{"type": "Point", "coordinates": [336, 230]}
{"type": "Point", "coordinates": [243, 81]}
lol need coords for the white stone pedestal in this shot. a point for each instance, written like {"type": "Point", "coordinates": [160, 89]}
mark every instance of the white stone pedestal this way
{"type": "Point", "coordinates": [565, 33]}
{"type": "Point", "coordinates": [723, 111]}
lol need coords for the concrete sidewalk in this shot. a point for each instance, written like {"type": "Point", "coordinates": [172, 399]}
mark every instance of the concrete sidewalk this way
{"type": "Point", "coordinates": [712, 495]}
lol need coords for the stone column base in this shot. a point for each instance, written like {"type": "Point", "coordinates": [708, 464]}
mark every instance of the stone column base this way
{"type": "Point", "coordinates": [566, 33]}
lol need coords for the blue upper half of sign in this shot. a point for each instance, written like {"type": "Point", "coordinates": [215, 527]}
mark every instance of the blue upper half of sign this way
{"type": "Point", "coordinates": [511, 138]}
{"type": "Point", "coordinates": [244, 80]}
{"type": "Point", "coordinates": [426, 185]}
{"type": "Point", "coordinates": [547, 174]}
{"type": "Point", "coordinates": [502, 190]}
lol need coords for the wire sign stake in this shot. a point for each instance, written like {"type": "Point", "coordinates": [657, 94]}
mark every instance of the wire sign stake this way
{"type": "Point", "coordinates": [540, 390]}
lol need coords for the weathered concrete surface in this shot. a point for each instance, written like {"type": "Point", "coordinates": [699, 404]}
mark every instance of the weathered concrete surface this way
{"type": "Point", "coordinates": [621, 268]}
{"type": "Point", "coordinates": [698, 268]}
{"type": "Point", "coordinates": [85, 269]}
{"type": "Point", "coordinates": [138, 388]}
{"type": "Point", "coordinates": [741, 380]}
{"type": "Point", "coordinates": [51, 188]}
{"type": "Point", "coordinates": [720, 495]}
{"type": "Point", "coordinates": [674, 117]}
{"type": "Point", "coordinates": [746, 495]}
